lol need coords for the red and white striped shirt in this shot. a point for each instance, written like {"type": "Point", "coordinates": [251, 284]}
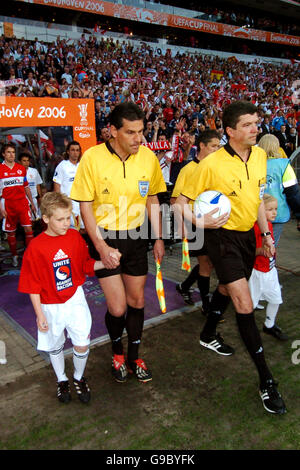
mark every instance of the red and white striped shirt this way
{"type": "Point", "coordinates": [13, 182]}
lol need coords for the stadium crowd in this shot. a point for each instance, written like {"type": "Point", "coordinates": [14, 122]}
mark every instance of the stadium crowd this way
{"type": "Point", "coordinates": [168, 87]}
{"type": "Point", "coordinates": [185, 93]}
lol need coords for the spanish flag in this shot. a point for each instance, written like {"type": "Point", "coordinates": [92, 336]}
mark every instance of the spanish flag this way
{"type": "Point", "coordinates": [216, 73]}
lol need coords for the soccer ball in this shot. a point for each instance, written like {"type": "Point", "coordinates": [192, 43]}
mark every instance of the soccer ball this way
{"type": "Point", "coordinates": [210, 200]}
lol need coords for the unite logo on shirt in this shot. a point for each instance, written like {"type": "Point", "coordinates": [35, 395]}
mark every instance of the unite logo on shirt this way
{"type": "Point", "coordinates": [62, 271]}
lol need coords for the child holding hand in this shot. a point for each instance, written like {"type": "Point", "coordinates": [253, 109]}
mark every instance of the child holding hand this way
{"type": "Point", "coordinates": [264, 282]}
{"type": "Point", "coordinates": [53, 271]}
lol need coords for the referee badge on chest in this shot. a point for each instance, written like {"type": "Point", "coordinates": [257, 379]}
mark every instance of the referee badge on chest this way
{"type": "Point", "coordinates": [143, 188]}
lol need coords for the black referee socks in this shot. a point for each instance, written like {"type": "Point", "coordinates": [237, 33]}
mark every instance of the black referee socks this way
{"type": "Point", "coordinates": [252, 340]}
{"type": "Point", "coordinates": [203, 286]}
{"type": "Point", "coordinates": [134, 327]}
{"type": "Point", "coordinates": [217, 307]}
{"type": "Point", "coordinates": [192, 277]}
{"type": "Point", "coordinates": [115, 327]}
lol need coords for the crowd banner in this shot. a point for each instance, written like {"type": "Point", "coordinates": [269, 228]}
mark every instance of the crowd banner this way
{"type": "Point", "coordinates": [160, 145]}
{"type": "Point", "coordinates": [144, 15]}
{"type": "Point", "coordinates": [49, 112]}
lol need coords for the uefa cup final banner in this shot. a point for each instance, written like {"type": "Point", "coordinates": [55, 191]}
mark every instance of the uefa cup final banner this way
{"type": "Point", "coordinates": [133, 13]}
{"type": "Point", "coordinates": [48, 112]}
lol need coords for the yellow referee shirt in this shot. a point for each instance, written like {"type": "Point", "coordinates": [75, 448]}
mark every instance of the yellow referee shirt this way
{"type": "Point", "coordinates": [242, 182]}
{"type": "Point", "coordinates": [183, 179]}
{"type": "Point", "coordinates": [118, 189]}
{"type": "Point", "coordinates": [184, 176]}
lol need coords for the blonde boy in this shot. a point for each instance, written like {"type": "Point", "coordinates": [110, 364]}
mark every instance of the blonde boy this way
{"type": "Point", "coordinates": [53, 272]}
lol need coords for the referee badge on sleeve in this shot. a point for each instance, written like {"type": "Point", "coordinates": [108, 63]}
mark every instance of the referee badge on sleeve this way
{"type": "Point", "coordinates": [143, 188]}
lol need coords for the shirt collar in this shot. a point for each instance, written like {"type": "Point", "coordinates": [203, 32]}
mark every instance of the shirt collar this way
{"type": "Point", "coordinates": [232, 152]}
{"type": "Point", "coordinates": [112, 151]}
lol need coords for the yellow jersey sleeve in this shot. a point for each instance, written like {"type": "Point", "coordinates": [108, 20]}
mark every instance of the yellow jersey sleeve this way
{"type": "Point", "coordinates": [184, 177]}
{"type": "Point", "coordinates": [199, 181]}
{"type": "Point", "coordinates": [179, 185]}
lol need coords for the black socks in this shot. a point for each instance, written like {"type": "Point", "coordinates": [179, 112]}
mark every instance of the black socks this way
{"type": "Point", "coordinates": [252, 340]}
{"type": "Point", "coordinates": [134, 323]}
{"type": "Point", "coordinates": [203, 286]}
{"type": "Point", "coordinates": [203, 283]}
{"type": "Point", "coordinates": [134, 327]}
{"type": "Point", "coordinates": [115, 327]}
{"type": "Point", "coordinates": [217, 307]}
{"type": "Point", "coordinates": [191, 279]}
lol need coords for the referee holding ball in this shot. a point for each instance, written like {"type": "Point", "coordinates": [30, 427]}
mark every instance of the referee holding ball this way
{"type": "Point", "coordinates": [237, 170]}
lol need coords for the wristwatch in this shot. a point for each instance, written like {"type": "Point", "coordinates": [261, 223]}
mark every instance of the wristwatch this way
{"type": "Point", "coordinates": [265, 234]}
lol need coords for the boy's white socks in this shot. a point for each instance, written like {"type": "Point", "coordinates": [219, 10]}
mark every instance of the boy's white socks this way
{"type": "Point", "coordinates": [271, 313]}
{"type": "Point", "coordinates": [79, 361]}
{"type": "Point", "coordinates": [57, 359]}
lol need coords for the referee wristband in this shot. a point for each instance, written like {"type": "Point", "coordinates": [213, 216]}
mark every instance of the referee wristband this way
{"type": "Point", "coordinates": [265, 234]}
{"type": "Point", "coordinates": [159, 238]}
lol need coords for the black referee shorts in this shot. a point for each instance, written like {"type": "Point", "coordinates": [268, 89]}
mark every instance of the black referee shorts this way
{"type": "Point", "coordinates": [231, 252]}
{"type": "Point", "coordinates": [134, 259]}
{"type": "Point", "coordinates": [196, 243]}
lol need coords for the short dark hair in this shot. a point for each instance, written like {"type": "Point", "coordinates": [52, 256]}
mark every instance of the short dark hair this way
{"type": "Point", "coordinates": [206, 136]}
{"type": "Point", "coordinates": [234, 111]}
{"type": "Point", "coordinates": [6, 146]}
{"type": "Point", "coordinates": [73, 142]}
{"type": "Point", "coordinates": [24, 154]}
{"type": "Point", "coordinates": [127, 110]}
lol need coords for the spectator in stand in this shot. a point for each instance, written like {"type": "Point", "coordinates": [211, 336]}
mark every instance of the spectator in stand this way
{"type": "Point", "coordinates": [164, 159]}
{"type": "Point", "coordinates": [283, 138]}
{"type": "Point", "coordinates": [67, 75]}
{"type": "Point", "coordinates": [168, 111]}
{"type": "Point", "coordinates": [49, 89]}
{"type": "Point", "coordinates": [31, 83]}
{"type": "Point", "coordinates": [172, 125]}
{"type": "Point", "coordinates": [154, 113]}
{"type": "Point", "coordinates": [279, 120]}
{"type": "Point", "coordinates": [292, 141]}
{"type": "Point", "coordinates": [265, 126]}
{"type": "Point", "coordinates": [86, 90]}
{"type": "Point", "coordinates": [149, 132]}
{"type": "Point", "coordinates": [104, 135]}
{"type": "Point", "coordinates": [290, 122]}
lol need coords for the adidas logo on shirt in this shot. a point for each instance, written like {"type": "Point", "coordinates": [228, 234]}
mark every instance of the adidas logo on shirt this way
{"type": "Point", "coordinates": [60, 255]}
{"type": "Point", "coordinates": [105, 191]}
{"type": "Point", "coordinates": [232, 194]}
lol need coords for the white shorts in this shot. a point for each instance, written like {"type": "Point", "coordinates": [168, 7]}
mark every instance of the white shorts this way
{"type": "Point", "coordinates": [38, 211]}
{"type": "Point", "coordinates": [265, 286]}
{"type": "Point", "coordinates": [74, 316]}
